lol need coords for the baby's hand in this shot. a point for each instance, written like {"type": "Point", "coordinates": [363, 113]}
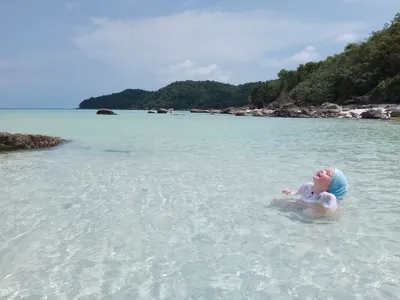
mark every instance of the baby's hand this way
{"type": "Point", "coordinates": [287, 192]}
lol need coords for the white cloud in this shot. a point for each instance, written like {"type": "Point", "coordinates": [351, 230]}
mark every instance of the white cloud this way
{"type": "Point", "coordinates": [309, 53]}
{"type": "Point", "coordinates": [347, 38]}
{"type": "Point", "coordinates": [214, 41]}
{"type": "Point", "coordinates": [190, 70]}
{"type": "Point", "coordinates": [183, 65]}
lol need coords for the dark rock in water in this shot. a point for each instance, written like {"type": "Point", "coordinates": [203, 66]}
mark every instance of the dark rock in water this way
{"type": "Point", "coordinates": [162, 111]}
{"type": "Point", "coordinates": [151, 112]}
{"type": "Point", "coordinates": [374, 114]}
{"type": "Point", "coordinates": [395, 112]}
{"type": "Point", "coordinates": [105, 111]}
{"type": "Point", "coordinates": [18, 141]}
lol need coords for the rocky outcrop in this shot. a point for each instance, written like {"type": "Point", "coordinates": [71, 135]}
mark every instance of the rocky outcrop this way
{"type": "Point", "coordinates": [201, 111]}
{"type": "Point", "coordinates": [375, 114]}
{"type": "Point", "coordinates": [243, 113]}
{"type": "Point", "coordinates": [19, 141]}
{"type": "Point", "coordinates": [226, 110]}
{"type": "Point", "coordinates": [205, 111]}
{"type": "Point", "coordinates": [291, 113]}
{"type": "Point", "coordinates": [290, 110]}
{"type": "Point", "coordinates": [328, 107]}
{"type": "Point", "coordinates": [151, 112]}
{"type": "Point", "coordinates": [266, 112]}
{"type": "Point", "coordinates": [288, 106]}
{"type": "Point", "coordinates": [349, 115]}
{"type": "Point", "coordinates": [274, 105]}
{"type": "Point", "coordinates": [162, 111]}
{"type": "Point", "coordinates": [362, 100]}
{"type": "Point", "coordinates": [257, 113]}
{"type": "Point", "coordinates": [105, 111]}
{"type": "Point", "coordinates": [395, 112]}
{"type": "Point", "coordinates": [326, 110]}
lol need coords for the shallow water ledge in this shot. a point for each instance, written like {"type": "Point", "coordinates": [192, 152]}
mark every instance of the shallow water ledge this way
{"type": "Point", "coordinates": [20, 141]}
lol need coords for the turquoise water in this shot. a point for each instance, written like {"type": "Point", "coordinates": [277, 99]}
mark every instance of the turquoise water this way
{"type": "Point", "coordinates": [184, 206]}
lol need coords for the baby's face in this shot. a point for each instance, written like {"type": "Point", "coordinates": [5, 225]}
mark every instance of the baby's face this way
{"type": "Point", "coordinates": [323, 178]}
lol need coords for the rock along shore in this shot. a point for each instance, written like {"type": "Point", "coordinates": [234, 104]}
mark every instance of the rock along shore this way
{"type": "Point", "coordinates": [326, 110]}
{"type": "Point", "coordinates": [19, 141]}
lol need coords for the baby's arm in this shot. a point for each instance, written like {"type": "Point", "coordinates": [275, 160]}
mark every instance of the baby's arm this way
{"type": "Point", "coordinates": [302, 190]}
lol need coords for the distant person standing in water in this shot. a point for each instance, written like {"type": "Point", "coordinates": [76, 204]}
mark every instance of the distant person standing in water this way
{"type": "Point", "coordinates": [329, 187]}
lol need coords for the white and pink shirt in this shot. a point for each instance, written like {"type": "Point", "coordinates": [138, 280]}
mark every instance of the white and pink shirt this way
{"type": "Point", "coordinates": [325, 199]}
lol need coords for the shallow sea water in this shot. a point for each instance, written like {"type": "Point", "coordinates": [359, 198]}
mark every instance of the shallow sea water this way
{"type": "Point", "coordinates": [185, 206]}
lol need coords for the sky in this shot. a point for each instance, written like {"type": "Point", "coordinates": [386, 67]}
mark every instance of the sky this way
{"type": "Point", "coordinates": [56, 53]}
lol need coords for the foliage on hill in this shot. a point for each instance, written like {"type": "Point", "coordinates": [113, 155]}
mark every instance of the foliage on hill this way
{"type": "Point", "coordinates": [178, 95]}
{"type": "Point", "coordinates": [370, 68]}
{"type": "Point", "coordinates": [368, 72]}
{"type": "Point", "coordinates": [123, 100]}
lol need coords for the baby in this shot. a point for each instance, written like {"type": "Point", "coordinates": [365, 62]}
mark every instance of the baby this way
{"type": "Point", "coordinates": [329, 187]}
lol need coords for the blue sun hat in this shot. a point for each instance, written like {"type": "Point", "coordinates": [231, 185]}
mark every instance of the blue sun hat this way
{"type": "Point", "coordinates": [339, 185]}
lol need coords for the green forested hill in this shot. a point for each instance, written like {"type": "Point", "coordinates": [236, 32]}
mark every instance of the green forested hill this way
{"type": "Point", "coordinates": [178, 95]}
{"type": "Point", "coordinates": [123, 100]}
{"type": "Point", "coordinates": [201, 94]}
{"type": "Point", "coordinates": [369, 70]}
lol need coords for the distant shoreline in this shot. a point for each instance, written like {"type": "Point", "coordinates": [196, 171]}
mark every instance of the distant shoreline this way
{"type": "Point", "coordinates": [326, 110]}
{"type": "Point", "coordinates": [331, 110]}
